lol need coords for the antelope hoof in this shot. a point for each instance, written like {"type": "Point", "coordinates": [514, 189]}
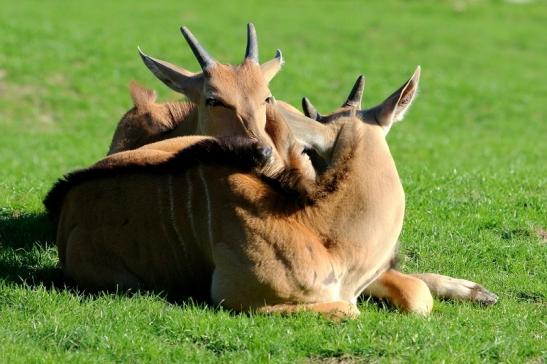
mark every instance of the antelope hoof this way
{"type": "Point", "coordinates": [338, 314]}
{"type": "Point", "coordinates": [483, 296]}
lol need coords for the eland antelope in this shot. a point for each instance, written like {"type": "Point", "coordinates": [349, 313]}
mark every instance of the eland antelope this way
{"type": "Point", "coordinates": [391, 285]}
{"type": "Point", "coordinates": [225, 100]}
{"type": "Point", "coordinates": [206, 219]}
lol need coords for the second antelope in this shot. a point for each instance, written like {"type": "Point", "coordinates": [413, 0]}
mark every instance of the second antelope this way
{"type": "Point", "coordinates": [392, 284]}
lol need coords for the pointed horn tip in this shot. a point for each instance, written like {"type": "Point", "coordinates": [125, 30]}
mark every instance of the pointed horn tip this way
{"type": "Point", "coordinates": [145, 57]}
{"type": "Point", "coordinates": [186, 33]}
{"type": "Point", "coordinates": [307, 106]}
{"type": "Point", "coordinates": [203, 57]}
{"type": "Point", "coordinates": [252, 44]}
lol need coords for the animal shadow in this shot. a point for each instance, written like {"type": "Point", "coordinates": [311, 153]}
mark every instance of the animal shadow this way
{"type": "Point", "coordinates": [28, 257]}
{"type": "Point", "coordinates": [27, 252]}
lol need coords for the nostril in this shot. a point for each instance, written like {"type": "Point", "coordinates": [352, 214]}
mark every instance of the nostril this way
{"type": "Point", "coordinates": [265, 152]}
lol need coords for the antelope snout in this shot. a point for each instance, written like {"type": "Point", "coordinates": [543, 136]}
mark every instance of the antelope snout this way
{"type": "Point", "coordinates": [265, 153]}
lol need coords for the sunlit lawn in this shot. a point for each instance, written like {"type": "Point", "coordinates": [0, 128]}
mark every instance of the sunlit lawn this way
{"type": "Point", "coordinates": [471, 154]}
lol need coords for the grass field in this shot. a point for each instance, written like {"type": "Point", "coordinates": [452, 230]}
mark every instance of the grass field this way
{"type": "Point", "coordinates": [471, 154]}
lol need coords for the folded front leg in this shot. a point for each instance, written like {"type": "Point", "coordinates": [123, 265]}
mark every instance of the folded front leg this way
{"type": "Point", "coordinates": [455, 288]}
{"type": "Point", "coordinates": [407, 293]}
{"type": "Point", "coordinates": [332, 310]}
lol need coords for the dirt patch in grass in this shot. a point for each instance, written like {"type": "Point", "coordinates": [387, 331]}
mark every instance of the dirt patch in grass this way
{"type": "Point", "coordinates": [542, 234]}
{"type": "Point", "coordinates": [344, 359]}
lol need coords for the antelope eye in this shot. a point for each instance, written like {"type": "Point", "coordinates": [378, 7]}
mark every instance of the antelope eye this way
{"type": "Point", "coordinates": [269, 99]}
{"type": "Point", "coordinates": [210, 101]}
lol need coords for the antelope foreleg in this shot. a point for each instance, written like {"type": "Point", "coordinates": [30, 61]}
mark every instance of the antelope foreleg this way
{"type": "Point", "coordinates": [332, 310]}
{"type": "Point", "coordinates": [455, 288]}
{"type": "Point", "coordinates": [407, 293]}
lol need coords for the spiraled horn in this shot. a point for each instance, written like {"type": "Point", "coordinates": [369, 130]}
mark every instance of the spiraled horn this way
{"type": "Point", "coordinates": [204, 59]}
{"type": "Point", "coordinates": [356, 95]}
{"type": "Point", "coordinates": [252, 44]}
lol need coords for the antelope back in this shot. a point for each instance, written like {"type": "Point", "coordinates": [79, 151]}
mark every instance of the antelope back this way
{"type": "Point", "coordinates": [149, 121]}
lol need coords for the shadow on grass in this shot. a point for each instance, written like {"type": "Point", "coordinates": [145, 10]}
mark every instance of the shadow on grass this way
{"type": "Point", "coordinates": [25, 230]}
{"type": "Point", "coordinates": [27, 253]}
{"type": "Point", "coordinates": [28, 258]}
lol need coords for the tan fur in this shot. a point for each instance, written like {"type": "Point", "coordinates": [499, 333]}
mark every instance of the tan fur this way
{"type": "Point", "coordinates": [230, 100]}
{"type": "Point", "coordinates": [149, 121]}
{"type": "Point", "coordinates": [408, 292]}
{"type": "Point", "coordinates": [260, 248]}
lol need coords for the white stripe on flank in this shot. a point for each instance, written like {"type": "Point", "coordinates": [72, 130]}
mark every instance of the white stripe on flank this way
{"type": "Point", "coordinates": [208, 201]}
{"type": "Point", "coordinates": [189, 206]}
{"type": "Point", "coordinates": [172, 215]}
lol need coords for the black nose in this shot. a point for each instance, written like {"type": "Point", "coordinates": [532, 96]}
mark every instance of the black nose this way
{"type": "Point", "coordinates": [265, 152]}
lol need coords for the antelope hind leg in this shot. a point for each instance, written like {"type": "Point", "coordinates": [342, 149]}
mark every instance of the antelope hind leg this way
{"type": "Point", "coordinates": [88, 266]}
{"type": "Point", "coordinates": [455, 288]}
{"type": "Point", "coordinates": [407, 293]}
{"type": "Point", "coordinates": [332, 310]}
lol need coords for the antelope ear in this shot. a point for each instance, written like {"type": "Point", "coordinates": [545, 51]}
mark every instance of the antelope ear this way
{"type": "Point", "coordinates": [310, 110]}
{"type": "Point", "coordinates": [175, 77]}
{"type": "Point", "coordinates": [140, 95]}
{"type": "Point", "coordinates": [393, 108]}
{"type": "Point", "coordinates": [273, 66]}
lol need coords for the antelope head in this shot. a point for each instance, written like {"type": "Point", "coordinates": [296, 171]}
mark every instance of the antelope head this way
{"type": "Point", "coordinates": [391, 110]}
{"type": "Point", "coordinates": [231, 100]}
{"type": "Point", "coordinates": [320, 132]}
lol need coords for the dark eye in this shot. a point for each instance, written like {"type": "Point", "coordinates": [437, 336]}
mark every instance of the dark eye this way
{"type": "Point", "coordinates": [269, 99]}
{"type": "Point", "coordinates": [211, 101]}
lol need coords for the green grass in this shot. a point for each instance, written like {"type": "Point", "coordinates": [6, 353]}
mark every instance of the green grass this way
{"type": "Point", "coordinates": [471, 154]}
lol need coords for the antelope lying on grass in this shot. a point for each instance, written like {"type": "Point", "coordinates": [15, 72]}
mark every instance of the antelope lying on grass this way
{"type": "Point", "coordinates": [391, 285]}
{"type": "Point", "coordinates": [250, 244]}
{"type": "Point", "coordinates": [166, 238]}
{"type": "Point", "coordinates": [225, 100]}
